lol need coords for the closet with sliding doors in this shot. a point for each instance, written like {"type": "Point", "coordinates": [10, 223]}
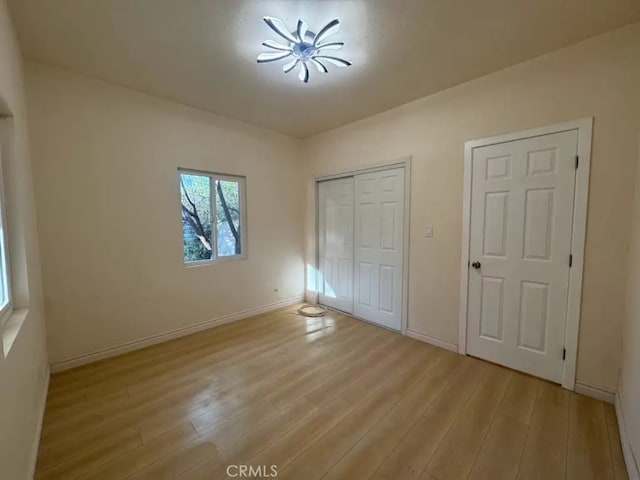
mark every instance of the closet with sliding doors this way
{"type": "Point", "coordinates": [361, 230]}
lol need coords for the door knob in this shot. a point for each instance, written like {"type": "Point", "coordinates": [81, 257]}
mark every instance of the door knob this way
{"type": "Point", "coordinates": [476, 265]}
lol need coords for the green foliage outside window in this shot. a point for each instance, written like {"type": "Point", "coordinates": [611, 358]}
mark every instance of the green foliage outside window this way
{"type": "Point", "coordinates": [198, 235]}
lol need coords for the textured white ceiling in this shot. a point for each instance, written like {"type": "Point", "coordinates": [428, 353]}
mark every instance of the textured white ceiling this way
{"type": "Point", "coordinates": [202, 52]}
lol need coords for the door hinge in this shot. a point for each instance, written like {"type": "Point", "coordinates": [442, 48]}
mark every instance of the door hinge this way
{"type": "Point", "coordinates": [577, 161]}
{"type": "Point", "coordinates": [570, 260]}
{"type": "Point", "coordinates": [564, 354]}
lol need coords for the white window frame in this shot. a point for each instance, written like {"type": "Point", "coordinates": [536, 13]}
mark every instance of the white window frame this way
{"type": "Point", "coordinates": [242, 197]}
{"type": "Point", "coordinates": [5, 268]}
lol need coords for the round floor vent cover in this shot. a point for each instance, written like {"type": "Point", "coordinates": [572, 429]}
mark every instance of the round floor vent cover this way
{"type": "Point", "coordinates": [312, 311]}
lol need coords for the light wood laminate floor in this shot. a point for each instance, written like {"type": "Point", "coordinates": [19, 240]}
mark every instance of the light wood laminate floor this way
{"type": "Point", "coordinates": [330, 398]}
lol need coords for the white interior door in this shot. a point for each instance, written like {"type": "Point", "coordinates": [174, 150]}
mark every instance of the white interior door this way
{"type": "Point", "coordinates": [520, 246]}
{"type": "Point", "coordinates": [379, 244]}
{"type": "Point", "coordinates": [335, 243]}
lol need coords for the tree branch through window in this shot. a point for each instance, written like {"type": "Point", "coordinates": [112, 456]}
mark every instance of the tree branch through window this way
{"type": "Point", "coordinates": [211, 216]}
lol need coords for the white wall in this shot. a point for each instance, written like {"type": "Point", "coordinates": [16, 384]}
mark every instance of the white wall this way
{"type": "Point", "coordinates": [105, 169]}
{"type": "Point", "coordinates": [23, 366]}
{"type": "Point", "coordinates": [630, 374]}
{"type": "Point", "coordinates": [598, 77]}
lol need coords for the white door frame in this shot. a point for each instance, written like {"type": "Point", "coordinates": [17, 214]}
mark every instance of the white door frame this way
{"type": "Point", "coordinates": [584, 127]}
{"type": "Point", "coordinates": [403, 162]}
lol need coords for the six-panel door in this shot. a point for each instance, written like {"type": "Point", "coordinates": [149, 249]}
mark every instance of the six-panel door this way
{"type": "Point", "coordinates": [335, 243]}
{"type": "Point", "coordinates": [379, 241]}
{"type": "Point", "coordinates": [521, 218]}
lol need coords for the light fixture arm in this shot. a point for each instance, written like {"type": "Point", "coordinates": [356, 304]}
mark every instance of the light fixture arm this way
{"type": "Point", "coordinates": [304, 46]}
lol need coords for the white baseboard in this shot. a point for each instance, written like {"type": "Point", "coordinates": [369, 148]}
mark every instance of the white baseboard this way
{"type": "Point", "coordinates": [595, 392]}
{"type": "Point", "coordinates": [432, 340]}
{"type": "Point", "coordinates": [35, 446]}
{"type": "Point", "coordinates": [633, 469]}
{"type": "Point", "coordinates": [164, 337]}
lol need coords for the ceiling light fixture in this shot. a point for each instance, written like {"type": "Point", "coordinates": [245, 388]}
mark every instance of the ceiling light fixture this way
{"type": "Point", "coordinates": [303, 47]}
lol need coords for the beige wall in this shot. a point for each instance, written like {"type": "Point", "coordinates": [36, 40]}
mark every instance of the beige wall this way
{"type": "Point", "coordinates": [105, 165]}
{"type": "Point", "coordinates": [630, 374]}
{"type": "Point", "coordinates": [23, 366]}
{"type": "Point", "coordinates": [598, 77]}
{"type": "Point", "coordinates": [105, 160]}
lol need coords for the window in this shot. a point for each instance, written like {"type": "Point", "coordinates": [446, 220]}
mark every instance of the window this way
{"type": "Point", "coordinates": [5, 291]}
{"type": "Point", "coordinates": [213, 219]}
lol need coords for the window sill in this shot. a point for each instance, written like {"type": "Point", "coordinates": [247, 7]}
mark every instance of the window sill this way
{"type": "Point", "coordinates": [11, 329]}
{"type": "Point", "coordinates": [231, 258]}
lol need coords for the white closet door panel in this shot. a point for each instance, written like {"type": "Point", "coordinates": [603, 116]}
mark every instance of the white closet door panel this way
{"type": "Point", "coordinates": [335, 242]}
{"type": "Point", "coordinates": [379, 230]}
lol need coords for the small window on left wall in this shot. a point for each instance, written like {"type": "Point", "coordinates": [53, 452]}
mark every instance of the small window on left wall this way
{"type": "Point", "coordinates": [6, 306]}
{"type": "Point", "coordinates": [213, 218]}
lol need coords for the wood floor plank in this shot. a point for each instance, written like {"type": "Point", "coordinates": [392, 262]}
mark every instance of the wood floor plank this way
{"type": "Point", "coordinates": [372, 360]}
{"type": "Point", "coordinates": [365, 457]}
{"type": "Point", "coordinates": [137, 377]}
{"type": "Point", "coordinates": [216, 357]}
{"type": "Point", "coordinates": [216, 446]}
{"type": "Point", "coordinates": [619, 467]}
{"type": "Point", "coordinates": [82, 442]}
{"type": "Point", "coordinates": [412, 369]}
{"type": "Point", "coordinates": [410, 457]}
{"type": "Point", "coordinates": [545, 451]}
{"type": "Point", "coordinates": [202, 377]}
{"type": "Point", "coordinates": [212, 354]}
{"type": "Point", "coordinates": [266, 440]}
{"type": "Point", "coordinates": [144, 455]}
{"type": "Point", "coordinates": [620, 472]}
{"type": "Point", "coordinates": [103, 450]}
{"type": "Point", "coordinates": [455, 455]}
{"type": "Point", "coordinates": [257, 387]}
{"type": "Point", "coordinates": [84, 432]}
{"type": "Point", "coordinates": [334, 370]}
{"type": "Point", "coordinates": [322, 454]}
{"type": "Point", "coordinates": [589, 452]}
{"type": "Point", "coordinates": [284, 450]}
{"type": "Point", "coordinates": [427, 476]}
{"type": "Point", "coordinates": [328, 397]}
{"type": "Point", "coordinates": [88, 375]}
{"type": "Point", "coordinates": [69, 448]}
{"type": "Point", "coordinates": [501, 451]}
{"type": "Point", "coordinates": [397, 373]}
